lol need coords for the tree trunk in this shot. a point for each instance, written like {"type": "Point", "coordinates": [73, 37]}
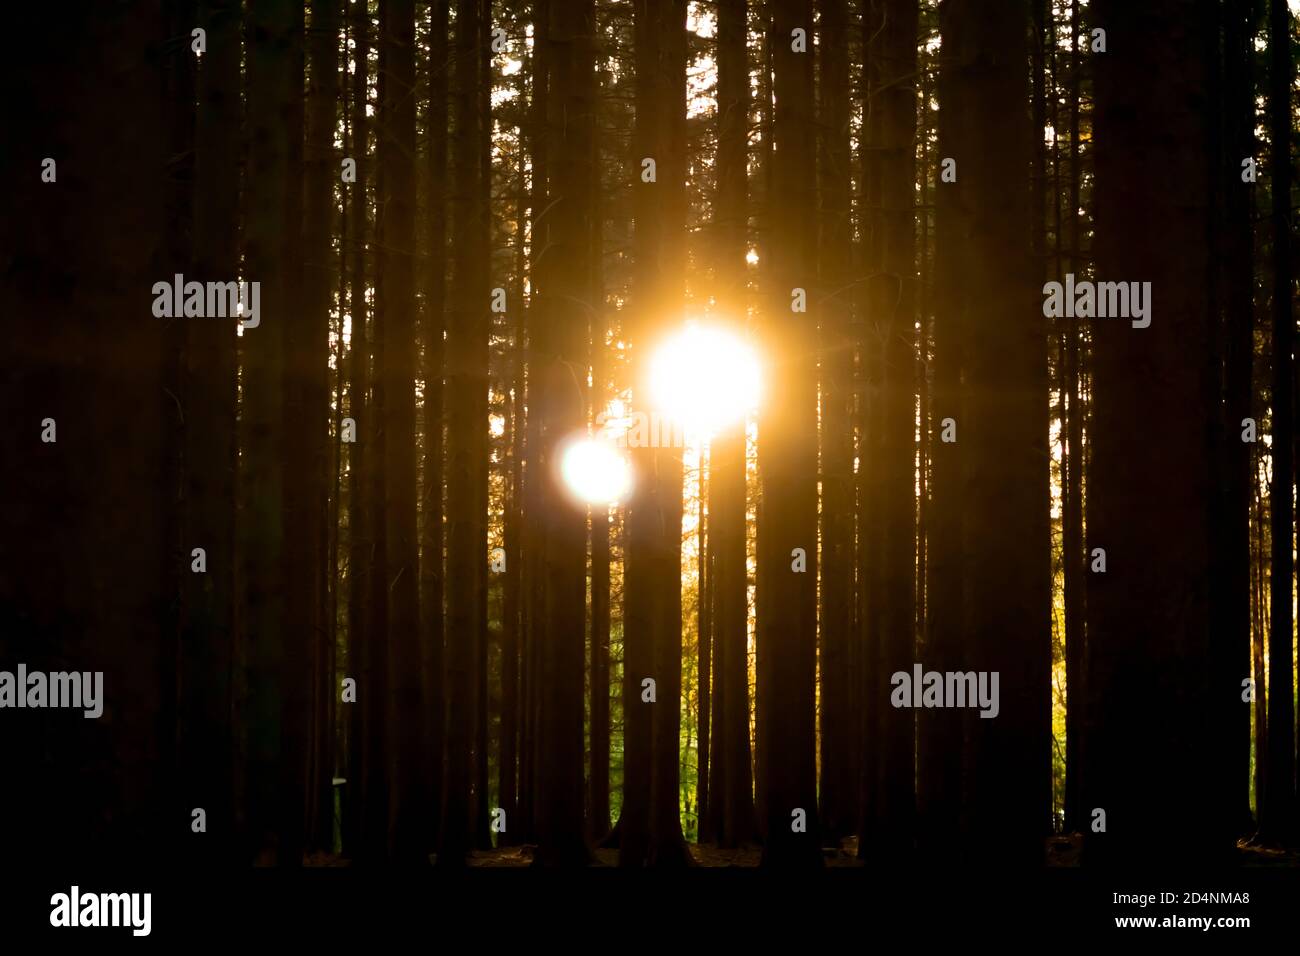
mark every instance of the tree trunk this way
{"type": "Point", "coordinates": [210, 451]}
{"type": "Point", "coordinates": [1007, 532]}
{"type": "Point", "coordinates": [940, 729]}
{"type": "Point", "coordinates": [1234, 126]}
{"type": "Point", "coordinates": [434, 275]}
{"type": "Point", "coordinates": [395, 304]}
{"type": "Point", "coordinates": [530, 628]}
{"type": "Point", "coordinates": [838, 779]}
{"type": "Point", "coordinates": [1073, 557]}
{"type": "Point", "coordinates": [358, 410]}
{"type": "Point", "coordinates": [731, 789]}
{"type": "Point", "coordinates": [1149, 487]}
{"type": "Point", "coordinates": [787, 622]}
{"type": "Point", "coordinates": [1277, 815]}
{"type": "Point", "coordinates": [561, 361]}
{"type": "Point", "coordinates": [467, 353]}
{"type": "Point", "coordinates": [891, 297]}
{"type": "Point", "coordinates": [307, 406]}
{"type": "Point", "coordinates": [274, 86]}
{"type": "Point", "coordinates": [651, 832]}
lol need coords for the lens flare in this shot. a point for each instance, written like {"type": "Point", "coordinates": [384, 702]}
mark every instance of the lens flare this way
{"type": "Point", "coordinates": [595, 472]}
{"type": "Point", "coordinates": [706, 378]}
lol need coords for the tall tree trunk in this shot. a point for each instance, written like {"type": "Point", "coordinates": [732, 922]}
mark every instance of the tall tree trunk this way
{"type": "Point", "coordinates": [378, 680]}
{"type": "Point", "coordinates": [940, 729]}
{"type": "Point", "coordinates": [467, 359]}
{"type": "Point", "coordinates": [1007, 531]}
{"type": "Point", "coordinates": [274, 86]}
{"type": "Point", "coordinates": [787, 622]}
{"type": "Point", "coordinates": [395, 303]}
{"type": "Point", "coordinates": [868, 596]}
{"type": "Point", "coordinates": [651, 825]}
{"type": "Point", "coordinates": [307, 405]}
{"type": "Point", "coordinates": [1073, 557]}
{"type": "Point", "coordinates": [891, 297]}
{"type": "Point", "coordinates": [1278, 814]}
{"type": "Point", "coordinates": [731, 789]}
{"type": "Point", "coordinates": [1149, 487]}
{"type": "Point", "coordinates": [480, 816]}
{"type": "Point", "coordinates": [358, 411]}
{"type": "Point", "coordinates": [838, 778]}
{"type": "Point", "coordinates": [1234, 125]}
{"type": "Point", "coordinates": [561, 361]}
{"type": "Point", "coordinates": [531, 610]}
{"type": "Point", "coordinates": [434, 276]}
{"type": "Point", "coordinates": [207, 638]}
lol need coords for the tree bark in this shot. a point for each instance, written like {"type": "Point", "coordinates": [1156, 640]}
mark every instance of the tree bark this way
{"type": "Point", "coordinates": [1147, 666]}
{"type": "Point", "coordinates": [787, 622]}
{"type": "Point", "coordinates": [467, 354]}
{"type": "Point", "coordinates": [839, 814]}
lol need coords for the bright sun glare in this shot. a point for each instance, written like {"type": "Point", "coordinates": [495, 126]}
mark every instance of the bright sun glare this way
{"type": "Point", "coordinates": [595, 471]}
{"type": "Point", "coordinates": [704, 377]}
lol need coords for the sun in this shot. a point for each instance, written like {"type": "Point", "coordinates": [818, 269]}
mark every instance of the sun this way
{"type": "Point", "coordinates": [706, 378]}
{"type": "Point", "coordinates": [595, 471]}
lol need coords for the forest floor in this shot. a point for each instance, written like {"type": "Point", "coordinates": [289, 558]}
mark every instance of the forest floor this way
{"type": "Point", "coordinates": [1062, 851]}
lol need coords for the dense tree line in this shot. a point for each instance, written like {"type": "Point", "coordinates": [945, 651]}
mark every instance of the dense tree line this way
{"type": "Point", "coordinates": [342, 598]}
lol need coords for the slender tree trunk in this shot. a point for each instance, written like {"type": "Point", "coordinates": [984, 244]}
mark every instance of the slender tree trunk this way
{"type": "Point", "coordinates": [561, 362]}
{"type": "Point", "coordinates": [731, 788]}
{"type": "Point", "coordinates": [273, 86]}
{"type": "Point", "coordinates": [378, 680]}
{"type": "Point", "coordinates": [307, 404]}
{"type": "Point", "coordinates": [1277, 817]}
{"type": "Point", "coordinates": [467, 353]}
{"type": "Point", "coordinates": [481, 823]}
{"type": "Point", "coordinates": [536, 335]}
{"type": "Point", "coordinates": [395, 303]}
{"type": "Point", "coordinates": [512, 439]}
{"type": "Point", "coordinates": [940, 729]}
{"type": "Point", "coordinates": [435, 299]}
{"type": "Point", "coordinates": [1073, 557]}
{"type": "Point", "coordinates": [869, 597]}
{"type": "Point", "coordinates": [651, 825]}
{"type": "Point", "coordinates": [787, 624]}
{"type": "Point", "coordinates": [210, 452]}
{"type": "Point", "coordinates": [838, 783]}
{"type": "Point", "coordinates": [891, 296]}
{"type": "Point", "coordinates": [358, 411]}
{"type": "Point", "coordinates": [1234, 122]}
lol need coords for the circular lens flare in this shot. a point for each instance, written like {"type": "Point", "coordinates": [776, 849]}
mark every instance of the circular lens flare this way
{"type": "Point", "coordinates": [705, 378]}
{"type": "Point", "coordinates": [595, 472]}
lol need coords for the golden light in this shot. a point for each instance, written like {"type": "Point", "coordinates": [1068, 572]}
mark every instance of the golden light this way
{"type": "Point", "coordinates": [705, 378]}
{"type": "Point", "coordinates": [595, 472]}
